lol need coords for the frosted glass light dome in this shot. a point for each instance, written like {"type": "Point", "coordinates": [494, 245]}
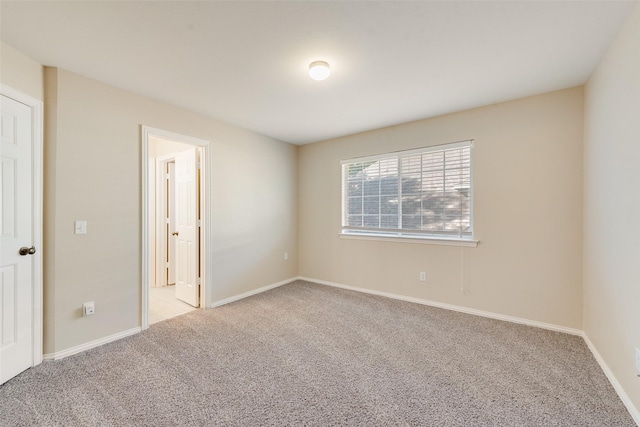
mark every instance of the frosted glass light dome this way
{"type": "Point", "coordinates": [319, 70]}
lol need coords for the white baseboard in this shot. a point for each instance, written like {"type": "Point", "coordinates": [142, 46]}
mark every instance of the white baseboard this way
{"type": "Point", "coordinates": [92, 344]}
{"type": "Point", "coordinates": [250, 293]}
{"type": "Point", "coordinates": [83, 347]}
{"type": "Point", "coordinates": [452, 307]}
{"type": "Point", "coordinates": [635, 413]}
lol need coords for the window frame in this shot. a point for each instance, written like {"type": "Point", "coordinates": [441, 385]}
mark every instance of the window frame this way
{"type": "Point", "coordinates": [409, 235]}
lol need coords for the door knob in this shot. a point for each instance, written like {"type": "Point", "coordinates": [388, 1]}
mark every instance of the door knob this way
{"type": "Point", "coordinates": [175, 233]}
{"type": "Point", "coordinates": [27, 251]}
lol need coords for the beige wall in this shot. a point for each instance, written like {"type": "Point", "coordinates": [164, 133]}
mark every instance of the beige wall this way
{"type": "Point", "coordinates": [49, 212]}
{"type": "Point", "coordinates": [612, 207]}
{"type": "Point", "coordinates": [20, 72]}
{"type": "Point", "coordinates": [93, 173]}
{"type": "Point", "coordinates": [528, 213]}
{"type": "Point", "coordinates": [161, 147]}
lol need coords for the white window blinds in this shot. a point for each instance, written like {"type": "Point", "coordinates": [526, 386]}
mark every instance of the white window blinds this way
{"type": "Point", "coordinates": [419, 193]}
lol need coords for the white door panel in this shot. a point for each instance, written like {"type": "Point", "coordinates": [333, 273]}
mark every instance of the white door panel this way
{"type": "Point", "coordinates": [186, 170]}
{"type": "Point", "coordinates": [16, 231]}
{"type": "Point", "coordinates": [171, 248]}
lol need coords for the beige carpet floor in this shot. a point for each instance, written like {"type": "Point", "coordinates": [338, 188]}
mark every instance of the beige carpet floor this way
{"type": "Point", "coordinates": [310, 355]}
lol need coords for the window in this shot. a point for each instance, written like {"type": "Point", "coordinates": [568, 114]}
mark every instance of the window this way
{"type": "Point", "coordinates": [423, 193]}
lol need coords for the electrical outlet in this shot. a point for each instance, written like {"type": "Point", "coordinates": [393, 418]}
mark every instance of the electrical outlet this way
{"type": "Point", "coordinates": [286, 256]}
{"type": "Point", "coordinates": [88, 308]}
{"type": "Point", "coordinates": [423, 276]}
{"type": "Point", "coordinates": [638, 360]}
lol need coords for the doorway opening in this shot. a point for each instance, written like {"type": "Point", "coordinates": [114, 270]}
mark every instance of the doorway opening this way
{"type": "Point", "coordinates": [175, 219]}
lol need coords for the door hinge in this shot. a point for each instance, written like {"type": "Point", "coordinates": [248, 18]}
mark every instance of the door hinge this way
{"type": "Point", "coordinates": [167, 265]}
{"type": "Point", "coordinates": [199, 223]}
{"type": "Point", "coordinates": [198, 281]}
{"type": "Point", "coordinates": [199, 165]}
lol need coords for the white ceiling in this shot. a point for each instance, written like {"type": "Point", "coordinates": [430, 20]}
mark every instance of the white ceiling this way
{"type": "Point", "coordinates": [392, 62]}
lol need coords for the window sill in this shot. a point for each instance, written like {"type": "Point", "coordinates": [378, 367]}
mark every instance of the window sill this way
{"type": "Point", "coordinates": [431, 240]}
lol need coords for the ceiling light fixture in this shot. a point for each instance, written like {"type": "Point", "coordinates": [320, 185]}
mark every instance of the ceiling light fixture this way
{"type": "Point", "coordinates": [319, 70]}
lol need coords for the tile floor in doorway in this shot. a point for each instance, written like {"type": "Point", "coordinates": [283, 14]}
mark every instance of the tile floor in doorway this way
{"type": "Point", "coordinates": [164, 305]}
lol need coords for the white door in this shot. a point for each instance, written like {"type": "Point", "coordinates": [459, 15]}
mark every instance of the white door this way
{"type": "Point", "coordinates": [16, 239]}
{"type": "Point", "coordinates": [187, 227]}
{"type": "Point", "coordinates": [171, 218]}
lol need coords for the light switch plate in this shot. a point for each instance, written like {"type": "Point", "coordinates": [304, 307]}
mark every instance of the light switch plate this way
{"type": "Point", "coordinates": [80, 227]}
